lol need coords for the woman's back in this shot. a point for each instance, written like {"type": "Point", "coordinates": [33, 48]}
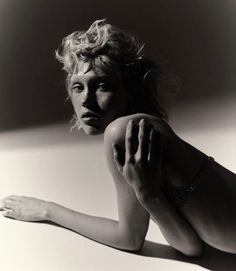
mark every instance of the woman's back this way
{"type": "Point", "coordinates": [201, 189]}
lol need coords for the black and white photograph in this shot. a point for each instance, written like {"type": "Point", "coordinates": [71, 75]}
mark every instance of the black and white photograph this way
{"type": "Point", "coordinates": [117, 135]}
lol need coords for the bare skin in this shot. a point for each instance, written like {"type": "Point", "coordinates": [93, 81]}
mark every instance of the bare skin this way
{"type": "Point", "coordinates": [209, 212]}
{"type": "Point", "coordinates": [137, 201]}
{"type": "Point", "coordinates": [144, 179]}
{"type": "Point", "coordinates": [142, 156]}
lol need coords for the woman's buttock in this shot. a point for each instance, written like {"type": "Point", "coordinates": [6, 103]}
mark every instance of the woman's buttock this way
{"type": "Point", "coordinates": [211, 206]}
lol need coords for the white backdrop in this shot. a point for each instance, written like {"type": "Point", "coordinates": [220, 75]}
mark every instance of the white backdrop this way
{"type": "Point", "coordinates": [53, 164]}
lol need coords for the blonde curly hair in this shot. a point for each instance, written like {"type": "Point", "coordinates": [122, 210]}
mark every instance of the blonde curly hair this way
{"type": "Point", "coordinates": [108, 48]}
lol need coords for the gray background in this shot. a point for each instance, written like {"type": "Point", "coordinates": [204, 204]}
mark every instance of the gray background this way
{"type": "Point", "coordinates": [194, 39]}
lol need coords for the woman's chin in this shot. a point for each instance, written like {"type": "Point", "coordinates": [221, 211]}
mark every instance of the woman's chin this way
{"type": "Point", "coordinates": [92, 130]}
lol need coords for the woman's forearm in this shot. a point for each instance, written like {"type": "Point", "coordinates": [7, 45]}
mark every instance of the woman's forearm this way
{"type": "Point", "coordinates": [100, 229]}
{"type": "Point", "coordinates": [175, 228]}
{"type": "Point", "coordinates": [142, 169]}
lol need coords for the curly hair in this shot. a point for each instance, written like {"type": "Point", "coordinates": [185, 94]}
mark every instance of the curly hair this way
{"type": "Point", "coordinates": [109, 48]}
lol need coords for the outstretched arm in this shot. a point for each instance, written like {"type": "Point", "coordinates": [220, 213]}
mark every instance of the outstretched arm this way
{"type": "Point", "coordinates": [142, 169]}
{"type": "Point", "coordinates": [128, 233]}
{"type": "Point", "coordinates": [103, 230]}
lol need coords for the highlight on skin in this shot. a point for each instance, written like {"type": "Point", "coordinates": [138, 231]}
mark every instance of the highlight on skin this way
{"type": "Point", "coordinates": [110, 49]}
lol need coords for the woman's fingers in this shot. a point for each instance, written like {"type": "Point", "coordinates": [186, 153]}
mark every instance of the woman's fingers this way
{"type": "Point", "coordinates": [144, 141]}
{"type": "Point", "coordinates": [153, 150]}
{"type": "Point", "coordinates": [150, 145]}
{"type": "Point", "coordinates": [142, 135]}
{"type": "Point", "coordinates": [8, 213]}
{"type": "Point", "coordinates": [13, 197]}
{"type": "Point", "coordinates": [7, 203]}
{"type": "Point", "coordinates": [147, 150]}
{"type": "Point", "coordinates": [1, 204]}
{"type": "Point", "coordinates": [7, 206]}
{"type": "Point", "coordinates": [155, 147]}
{"type": "Point", "coordinates": [129, 141]}
{"type": "Point", "coordinates": [117, 157]}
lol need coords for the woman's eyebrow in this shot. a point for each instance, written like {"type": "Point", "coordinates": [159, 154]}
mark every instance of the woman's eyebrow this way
{"type": "Point", "coordinates": [77, 79]}
{"type": "Point", "coordinates": [101, 77]}
{"type": "Point", "coordinates": [104, 78]}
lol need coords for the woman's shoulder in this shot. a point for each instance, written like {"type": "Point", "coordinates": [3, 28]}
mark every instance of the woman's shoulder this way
{"type": "Point", "coordinates": [116, 129]}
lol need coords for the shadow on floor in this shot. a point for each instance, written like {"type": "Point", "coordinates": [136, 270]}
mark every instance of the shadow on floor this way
{"type": "Point", "coordinates": [212, 258]}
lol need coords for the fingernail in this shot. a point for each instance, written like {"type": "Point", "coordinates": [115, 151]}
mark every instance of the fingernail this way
{"type": "Point", "coordinates": [1, 204]}
{"type": "Point", "coordinates": [141, 121]}
{"type": "Point", "coordinates": [6, 212]}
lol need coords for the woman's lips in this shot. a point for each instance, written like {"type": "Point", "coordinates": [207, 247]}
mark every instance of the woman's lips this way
{"type": "Point", "coordinates": [90, 120]}
{"type": "Point", "coordinates": [90, 117]}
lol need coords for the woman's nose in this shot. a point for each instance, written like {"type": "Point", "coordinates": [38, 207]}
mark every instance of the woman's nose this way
{"type": "Point", "coordinates": [88, 98]}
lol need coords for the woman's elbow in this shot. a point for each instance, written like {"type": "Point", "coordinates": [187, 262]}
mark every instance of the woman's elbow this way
{"type": "Point", "coordinates": [131, 240]}
{"type": "Point", "coordinates": [195, 251]}
{"type": "Point", "coordinates": [134, 245]}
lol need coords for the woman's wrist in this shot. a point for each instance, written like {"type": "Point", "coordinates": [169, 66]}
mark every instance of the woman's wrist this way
{"type": "Point", "coordinates": [47, 210]}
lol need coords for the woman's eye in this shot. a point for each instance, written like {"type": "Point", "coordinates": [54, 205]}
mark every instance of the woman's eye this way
{"type": "Point", "coordinates": [77, 88]}
{"type": "Point", "coordinates": [103, 87]}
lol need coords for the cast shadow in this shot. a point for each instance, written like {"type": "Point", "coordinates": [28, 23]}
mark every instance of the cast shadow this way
{"type": "Point", "coordinates": [212, 258]}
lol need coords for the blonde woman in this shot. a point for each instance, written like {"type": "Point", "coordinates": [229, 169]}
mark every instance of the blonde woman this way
{"type": "Point", "coordinates": [116, 91]}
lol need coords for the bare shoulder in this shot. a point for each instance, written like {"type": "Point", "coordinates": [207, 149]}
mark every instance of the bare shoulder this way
{"type": "Point", "coordinates": [115, 131]}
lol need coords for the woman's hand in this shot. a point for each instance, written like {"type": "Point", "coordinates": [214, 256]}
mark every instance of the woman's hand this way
{"type": "Point", "coordinates": [23, 208]}
{"type": "Point", "coordinates": [142, 164]}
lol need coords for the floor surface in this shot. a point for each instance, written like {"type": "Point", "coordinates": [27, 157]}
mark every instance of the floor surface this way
{"type": "Point", "coordinates": [51, 163]}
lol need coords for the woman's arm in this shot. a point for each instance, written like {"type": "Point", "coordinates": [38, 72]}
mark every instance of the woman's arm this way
{"type": "Point", "coordinates": [175, 228]}
{"type": "Point", "coordinates": [141, 168]}
{"type": "Point", "coordinates": [106, 231]}
{"type": "Point", "coordinates": [109, 232]}
{"type": "Point", "coordinates": [128, 233]}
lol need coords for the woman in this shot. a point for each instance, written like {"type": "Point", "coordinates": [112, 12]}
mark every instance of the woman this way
{"type": "Point", "coordinates": [115, 91]}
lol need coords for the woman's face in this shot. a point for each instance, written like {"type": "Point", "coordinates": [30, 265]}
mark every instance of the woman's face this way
{"type": "Point", "coordinates": [97, 98]}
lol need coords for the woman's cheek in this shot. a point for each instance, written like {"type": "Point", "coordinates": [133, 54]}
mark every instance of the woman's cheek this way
{"type": "Point", "coordinates": [106, 100]}
{"type": "Point", "coordinates": [76, 102]}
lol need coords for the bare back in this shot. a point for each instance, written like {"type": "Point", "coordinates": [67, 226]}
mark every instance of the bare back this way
{"type": "Point", "coordinates": [211, 206]}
